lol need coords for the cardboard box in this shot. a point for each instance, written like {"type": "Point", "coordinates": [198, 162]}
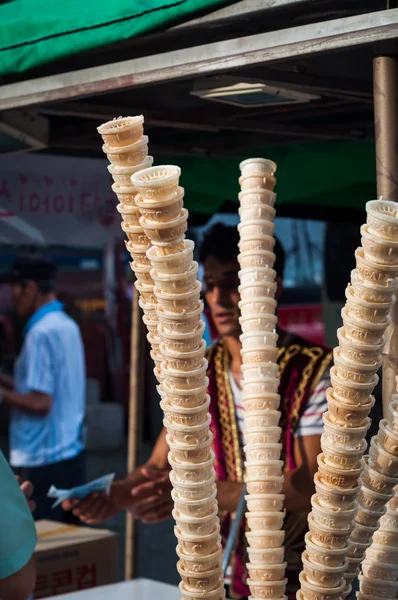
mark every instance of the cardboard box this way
{"type": "Point", "coordinates": [71, 558]}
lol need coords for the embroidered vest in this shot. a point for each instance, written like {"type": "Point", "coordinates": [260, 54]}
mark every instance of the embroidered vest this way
{"type": "Point", "coordinates": [301, 366]}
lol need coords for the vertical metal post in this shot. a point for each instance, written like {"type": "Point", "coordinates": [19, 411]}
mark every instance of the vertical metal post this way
{"type": "Point", "coordinates": [385, 89]}
{"type": "Point", "coordinates": [134, 426]}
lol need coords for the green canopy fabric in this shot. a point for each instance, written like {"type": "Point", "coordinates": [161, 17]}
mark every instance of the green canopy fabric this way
{"type": "Point", "coordinates": [36, 32]}
{"type": "Point", "coordinates": [331, 174]}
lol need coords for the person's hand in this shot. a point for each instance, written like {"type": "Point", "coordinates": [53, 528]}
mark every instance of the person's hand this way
{"type": "Point", "coordinates": [97, 507]}
{"type": "Point", "coordinates": [27, 490]}
{"type": "Point", "coordinates": [152, 501]}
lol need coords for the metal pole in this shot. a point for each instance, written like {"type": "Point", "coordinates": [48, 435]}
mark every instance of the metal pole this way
{"type": "Point", "coordinates": [385, 89]}
{"type": "Point", "coordinates": [234, 531]}
{"type": "Point", "coordinates": [134, 427]}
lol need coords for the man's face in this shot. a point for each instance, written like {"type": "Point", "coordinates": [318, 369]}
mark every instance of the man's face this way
{"type": "Point", "coordinates": [222, 296]}
{"type": "Point", "coordinates": [24, 298]}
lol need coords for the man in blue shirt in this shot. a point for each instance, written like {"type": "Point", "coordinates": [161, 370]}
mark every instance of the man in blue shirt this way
{"type": "Point", "coordinates": [47, 396]}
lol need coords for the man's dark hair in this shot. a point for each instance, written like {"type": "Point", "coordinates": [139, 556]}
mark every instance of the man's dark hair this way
{"type": "Point", "coordinates": [222, 241]}
{"type": "Point", "coordinates": [32, 267]}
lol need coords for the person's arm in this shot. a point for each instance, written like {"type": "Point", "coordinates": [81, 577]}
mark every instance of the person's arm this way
{"type": "Point", "coordinates": [33, 402]}
{"type": "Point", "coordinates": [17, 540]}
{"type": "Point", "coordinates": [6, 382]}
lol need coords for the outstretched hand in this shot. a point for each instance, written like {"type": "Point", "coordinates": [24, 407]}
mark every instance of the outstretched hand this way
{"type": "Point", "coordinates": [151, 500]}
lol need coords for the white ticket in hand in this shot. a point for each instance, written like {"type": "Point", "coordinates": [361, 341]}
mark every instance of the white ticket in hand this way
{"type": "Point", "coordinates": [102, 484]}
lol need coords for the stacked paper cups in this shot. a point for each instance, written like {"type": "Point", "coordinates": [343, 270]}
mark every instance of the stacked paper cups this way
{"type": "Point", "coordinates": [127, 150]}
{"type": "Point", "coordinates": [184, 382]}
{"type": "Point", "coordinates": [260, 382]}
{"type": "Point", "coordinates": [339, 527]}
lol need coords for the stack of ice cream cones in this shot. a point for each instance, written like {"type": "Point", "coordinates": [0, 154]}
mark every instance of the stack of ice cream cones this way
{"type": "Point", "coordinates": [263, 467]}
{"type": "Point", "coordinates": [379, 569]}
{"type": "Point", "coordinates": [342, 521]}
{"type": "Point", "coordinates": [184, 382]}
{"type": "Point", "coordinates": [127, 150]}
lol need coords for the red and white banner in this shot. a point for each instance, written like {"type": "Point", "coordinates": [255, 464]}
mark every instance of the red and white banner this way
{"type": "Point", "coordinates": [55, 200]}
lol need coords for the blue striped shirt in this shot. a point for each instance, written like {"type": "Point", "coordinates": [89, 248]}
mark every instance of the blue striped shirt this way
{"type": "Point", "coordinates": [51, 362]}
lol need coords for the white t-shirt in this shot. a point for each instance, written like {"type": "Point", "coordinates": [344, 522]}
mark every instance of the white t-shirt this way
{"type": "Point", "coordinates": [310, 422]}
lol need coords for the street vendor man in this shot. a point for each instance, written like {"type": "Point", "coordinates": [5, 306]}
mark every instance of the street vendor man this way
{"type": "Point", "coordinates": [304, 378]}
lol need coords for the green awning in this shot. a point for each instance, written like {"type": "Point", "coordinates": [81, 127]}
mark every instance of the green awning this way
{"type": "Point", "coordinates": [36, 32]}
{"type": "Point", "coordinates": [341, 175]}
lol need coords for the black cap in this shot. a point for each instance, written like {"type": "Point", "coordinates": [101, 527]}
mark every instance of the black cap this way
{"type": "Point", "coordinates": [33, 267]}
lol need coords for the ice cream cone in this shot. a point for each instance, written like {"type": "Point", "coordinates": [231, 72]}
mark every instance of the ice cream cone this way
{"type": "Point", "coordinates": [329, 557]}
{"type": "Point", "coordinates": [249, 291]}
{"type": "Point", "coordinates": [122, 131]}
{"type": "Point", "coordinates": [263, 435]}
{"type": "Point", "coordinates": [346, 369]}
{"type": "Point", "coordinates": [350, 415]}
{"type": "Point", "coordinates": [199, 453]}
{"type": "Point", "coordinates": [370, 499]}
{"type": "Point", "coordinates": [368, 517]}
{"type": "Point", "coordinates": [180, 415]}
{"type": "Point", "coordinates": [389, 521]}
{"type": "Point", "coordinates": [374, 272]}
{"type": "Point", "coordinates": [383, 484]}
{"type": "Point", "coordinates": [259, 258]}
{"type": "Point", "coordinates": [258, 322]}
{"type": "Point", "coordinates": [379, 553]}
{"type": "Point", "coordinates": [170, 232]}
{"type": "Point", "coordinates": [185, 379]}
{"type": "Point", "coordinates": [271, 485]}
{"type": "Point", "coordinates": [200, 563]}
{"type": "Point", "coordinates": [146, 291]}
{"type": "Point", "coordinates": [392, 414]}
{"type": "Point", "coordinates": [201, 581]}
{"type": "Point", "coordinates": [259, 470]}
{"type": "Point", "coordinates": [217, 594]}
{"type": "Point", "coordinates": [272, 402]}
{"type": "Point", "coordinates": [352, 392]}
{"type": "Point", "coordinates": [270, 572]}
{"type": "Point", "coordinates": [176, 262]}
{"type": "Point", "coordinates": [344, 458]}
{"type": "Point", "coordinates": [262, 388]}
{"type": "Point", "coordinates": [265, 521]}
{"type": "Point", "coordinates": [260, 355]}
{"type": "Point", "coordinates": [378, 587]}
{"type": "Point", "coordinates": [356, 351]}
{"type": "Point", "coordinates": [135, 234]}
{"type": "Point", "coordinates": [131, 154]}
{"type": "Point", "coordinates": [364, 331]}
{"type": "Point", "coordinates": [371, 292]}
{"type": "Point", "coordinates": [322, 575]}
{"type": "Point", "coordinates": [198, 545]}
{"type": "Point", "coordinates": [261, 371]}
{"type": "Point", "coordinates": [179, 303]}
{"type": "Point", "coordinates": [334, 497]}
{"type": "Point", "coordinates": [362, 533]}
{"type": "Point", "coordinates": [257, 181]}
{"type": "Point", "coordinates": [191, 397]}
{"type": "Point", "coordinates": [262, 419]}
{"type": "Point", "coordinates": [130, 214]}
{"type": "Point", "coordinates": [264, 502]}
{"type": "Point", "coordinates": [327, 537]}
{"type": "Point", "coordinates": [377, 249]}
{"type": "Point", "coordinates": [265, 243]}
{"type": "Point", "coordinates": [265, 539]}
{"type": "Point", "coordinates": [343, 436]}
{"type": "Point", "coordinates": [183, 342]}
{"type": "Point", "coordinates": [332, 518]}
{"type": "Point", "coordinates": [185, 361]}
{"type": "Point", "coordinates": [382, 219]}
{"type": "Point", "coordinates": [176, 282]}
{"type": "Point", "coordinates": [260, 452]}
{"type": "Point", "coordinates": [388, 438]}
{"type": "Point", "coordinates": [196, 525]}
{"type": "Point", "coordinates": [253, 200]}
{"type": "Point", "coordinates": [161, 210]}
{"type": "Point", "coordinates": [189, 435]}
{"type": "Point", "coordinates": [379, 570]}
{"type": "Point", "coordinates": [260, 304]}
{"type": "Point", "coordinates": [257, 166]}
{"type": "Point", "coordinates": [385, 538]}
{"type": "Point", "coordinates": [193, 490]}
{"type": "Point", "coordinates": [122, 175]}
{"type": "Point", "coordinates": [336, 477]}
{"type": "Point", "coordinates": [317, 592]}
{"type": "Point", "coordinates": [186, 322]}
{"type": "Point", "coordinates": [157, 183]}
{"type": "Point", "coordinates": [257, 228]}
{"type": "Point", "coordinates": [382, 461]}
{"type": "Point", "coordinates": [258, 275]}
{"type": "Point", "coordinates": [364, 310]}
{"type": "Point", "coordinates": [257, 340]}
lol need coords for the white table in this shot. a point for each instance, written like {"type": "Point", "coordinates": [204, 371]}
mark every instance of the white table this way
{"type": "Point", "coordinates": [138, 589]}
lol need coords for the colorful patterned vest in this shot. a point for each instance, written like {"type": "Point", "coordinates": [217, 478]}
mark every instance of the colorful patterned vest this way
{"type": "Point", "coordinates": [302, 365]}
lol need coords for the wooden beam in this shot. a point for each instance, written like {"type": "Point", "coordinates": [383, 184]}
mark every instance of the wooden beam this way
{"type": "Point", "coordinates": [218, 57]}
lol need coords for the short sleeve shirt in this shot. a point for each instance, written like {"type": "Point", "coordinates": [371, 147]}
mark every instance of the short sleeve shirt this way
{"type": "Point", "coordinates": [18, 532]}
